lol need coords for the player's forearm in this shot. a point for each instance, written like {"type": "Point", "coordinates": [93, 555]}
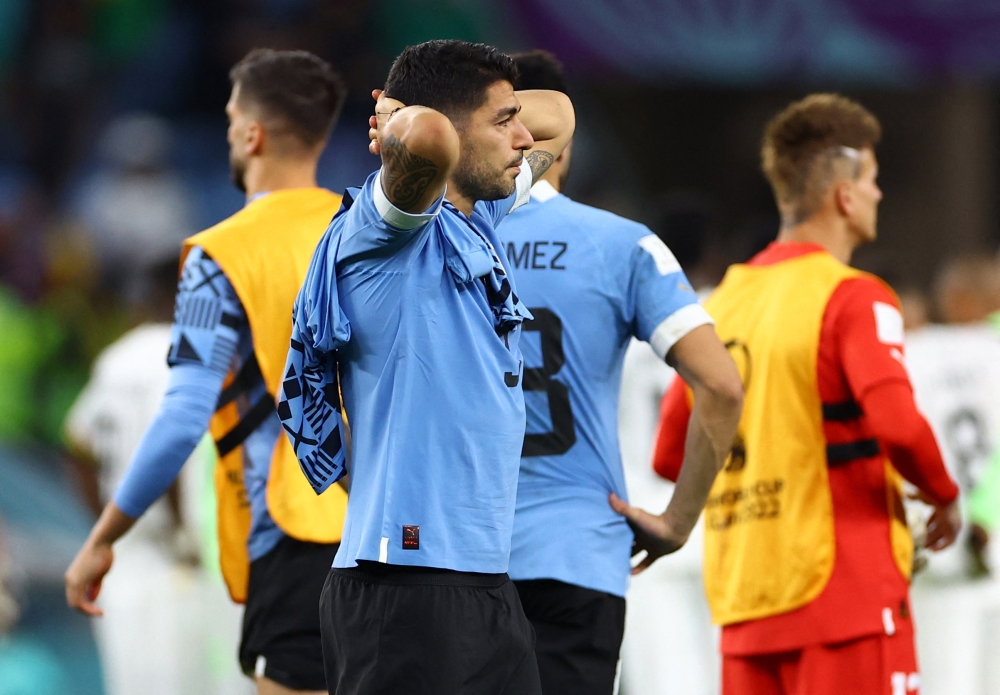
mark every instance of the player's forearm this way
{"type": "Point", "coordinates": [547, 115]}
{"type": "Point", "coordinates": [908, 439]}
{"type": "Point", "coordinates": [550, 119]}
{"type": "Point", "coordinates": [419, 148]}
{"type": "Point", "coordinates": [714, 419]}
{"type": "Point", "coordinates": [111, 525]}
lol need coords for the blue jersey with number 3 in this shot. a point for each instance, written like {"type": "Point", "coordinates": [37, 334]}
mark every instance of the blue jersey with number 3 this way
{"type": "Point", "coordinates": [592, 280]}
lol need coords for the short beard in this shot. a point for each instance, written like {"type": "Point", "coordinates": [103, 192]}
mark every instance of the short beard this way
{"type": "Point", "coordinates": [237, 172]}
{"type": "Point", "coordinates": [480, 183]}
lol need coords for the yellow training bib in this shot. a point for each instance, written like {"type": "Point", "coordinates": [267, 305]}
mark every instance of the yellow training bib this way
{"type": "Point", "coordinates": [265, 251]}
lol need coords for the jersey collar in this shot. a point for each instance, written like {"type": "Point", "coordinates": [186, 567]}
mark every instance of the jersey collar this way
{"type": "Point", "coordinates": [543, 191]}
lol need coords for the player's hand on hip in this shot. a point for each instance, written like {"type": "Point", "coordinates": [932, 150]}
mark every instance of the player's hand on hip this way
{"type": "Point", "coordinates": [943, 526]}
{"type": "Point", "coordinates": [384, 108]}
{"type": "Point", "coordinates": [84, 577]}
{"type": "Point", "coordinates": [653, 533]}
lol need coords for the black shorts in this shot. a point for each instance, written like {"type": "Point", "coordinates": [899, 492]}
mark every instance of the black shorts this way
{"type": "Point", "coordinates": [281, 632]}
{"type": "Point", "coordinates": [578, 635]}
{"type": "Point", "coordinates": [392, 630]}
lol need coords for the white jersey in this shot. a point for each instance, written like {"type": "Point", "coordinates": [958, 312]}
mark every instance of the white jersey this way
{"type": "Point", "coordinates": [168, 626]}
{"type": "Point", "coordinates": [645, 378]}
{"type": "Point", "coordinates": [669, 642]}
{"type": "Point", "coordinates": [109, 417]}
{"type": "Point", "coordinates": [955, 371]}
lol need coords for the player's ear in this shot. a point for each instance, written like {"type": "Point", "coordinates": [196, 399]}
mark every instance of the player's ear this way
{"type": "Point", "coordinates": [254, 141]}
{"type": "Point", "coordinates": [843, 197]}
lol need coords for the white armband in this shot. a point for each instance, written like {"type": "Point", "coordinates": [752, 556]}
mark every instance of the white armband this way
{"type": "Point", "coordinates": [399, 219]}
{"type": "Point", "coordinates": [676, 326]}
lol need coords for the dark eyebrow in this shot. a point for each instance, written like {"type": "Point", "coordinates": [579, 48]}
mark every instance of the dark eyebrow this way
{"type": "Point", "coordinates": [508, 112]}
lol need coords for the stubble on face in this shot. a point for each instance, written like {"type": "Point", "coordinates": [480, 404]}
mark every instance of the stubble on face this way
{"type": "Point", "coordinates": [237, 172]}
{"type": "Point", "coordinates": [483, 171]}
{"type": "Point", "coordinates": [237, 166]}
{"type": "Point", "coordinates": [477, 180]}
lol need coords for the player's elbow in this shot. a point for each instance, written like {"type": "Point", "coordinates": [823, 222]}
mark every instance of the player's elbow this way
{"type": "Point", "coordinates": [427, 134]}
{"type": "Point", "coordinates": [562, 105]}
{"type": "Point", "coordinates": [724, 390]}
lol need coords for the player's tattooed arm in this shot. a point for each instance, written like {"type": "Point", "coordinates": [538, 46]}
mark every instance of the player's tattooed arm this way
{"type": "Point", "coordinates": [406, 175]}
{"type": "Point", "coordinates": [551, 120]}
{"type": "Point", "coordinates": [419, 148]}
{"type": "Point", "coordinates": [539, 161]}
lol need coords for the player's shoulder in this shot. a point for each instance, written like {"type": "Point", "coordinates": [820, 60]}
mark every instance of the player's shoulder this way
{"type": "Point", "coordinates": [865, 299]}
{"type": "Point", "coordinates": [609, 231]}
{"type": "Point", "coordinates": [600, 220]}
{"type": "Point", "coordinates": [298, 202]}
{"type": "Point", "coordinates": [861, 287]}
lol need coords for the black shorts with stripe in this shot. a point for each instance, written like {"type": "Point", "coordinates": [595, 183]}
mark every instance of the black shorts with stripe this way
{"type": "Point", "coordinates": [281, 630]}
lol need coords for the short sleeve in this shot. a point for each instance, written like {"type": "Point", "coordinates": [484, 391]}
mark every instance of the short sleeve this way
{"type": "Point", "coordinates": [664, 307]}
{"type": "Point", "coordinates": [497, 210]}
{"type": "Point", "coordinates": [396, 218]}
{"type": "Point", "coordinates": [865, 321]}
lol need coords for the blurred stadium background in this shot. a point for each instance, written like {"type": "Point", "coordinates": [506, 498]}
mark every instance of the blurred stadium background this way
{"type": "Point", "coordinates": [112, 150]}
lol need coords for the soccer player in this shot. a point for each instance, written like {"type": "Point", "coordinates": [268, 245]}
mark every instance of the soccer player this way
{"type": "Point", "coordinates": [158, 634]}
{"type": "Point", "coordinates": [807, 554]}
{"type": "Point", "coordinates": [955, 370]}
{"type": "Point", "coordinates": [229, 342]}
{"type": "Point", "coordinates": [592, 280]}
{"type": "Point", "coordinates": [410, 296]}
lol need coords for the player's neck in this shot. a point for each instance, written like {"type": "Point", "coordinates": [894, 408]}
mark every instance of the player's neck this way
{"type": "Point", "coordinates": [553, 176]}
{"type": "Point", "coordinates": [829, 234]}
{"type": "Point", "coordinates": [269, 175]}
{"type": "Point", "coordinates": [463, 203]}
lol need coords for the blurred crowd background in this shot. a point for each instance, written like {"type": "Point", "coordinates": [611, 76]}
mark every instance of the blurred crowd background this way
{"type": "Point", "coordinates": [112, 150]}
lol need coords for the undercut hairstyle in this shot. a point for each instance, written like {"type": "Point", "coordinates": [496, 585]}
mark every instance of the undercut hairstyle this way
{"type": "Point", "coordinates": [294, 89]}
{"type": "Point", "coordinates": [809, 143]}
{"type": "Point", "coordinates": [540, 70]}
{"type": "Point", "coordinates": [448, 76]}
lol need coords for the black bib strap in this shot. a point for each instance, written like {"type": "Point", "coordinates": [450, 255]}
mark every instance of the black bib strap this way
{"type": "Point", "coordinates": [247, 378]}
{"type": "Point", "coordinates": [261, 410]}
{"type": "Point", "coordinates": [842, 412]}
{"type": "Point", "coordinates": [839, 454]}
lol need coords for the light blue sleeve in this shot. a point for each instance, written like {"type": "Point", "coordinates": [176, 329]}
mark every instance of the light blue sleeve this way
{"type": "Point", "coordinates": [170, 438]}
{"type": "Point", "coordinates": [309, 398]}
{"type": "Point", "coordinates": [660, 301]}
{"type": "Point", "coordinates": [369, 225]}
{"type": "Point", "coordinates": [209, 327]}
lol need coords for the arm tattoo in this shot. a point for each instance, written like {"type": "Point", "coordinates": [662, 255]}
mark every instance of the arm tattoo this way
{"type": "Point", "coordinates": [539, 161]}
{"type": "Point", "coordinates": [405, 176]}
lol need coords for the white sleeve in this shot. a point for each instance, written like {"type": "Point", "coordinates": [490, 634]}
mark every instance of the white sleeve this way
{"type": "Point", "coordinates": [405, 221]}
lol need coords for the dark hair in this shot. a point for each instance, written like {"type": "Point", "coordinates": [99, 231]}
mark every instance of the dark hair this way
{"type": "Point", "coordinates": [806, 129]}
{"type": "Point", "coordinates": [539, 70]}
{"type": "Point", "coordinates": [449, 76]}
{"type": "Point", "coordinates": [296, 87]}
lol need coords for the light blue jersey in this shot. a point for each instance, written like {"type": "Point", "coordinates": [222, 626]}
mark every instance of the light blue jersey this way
{"type": "Point", "coordinates": [591, 280]}
{"type": "Point", "coordinates": [420, 316]}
